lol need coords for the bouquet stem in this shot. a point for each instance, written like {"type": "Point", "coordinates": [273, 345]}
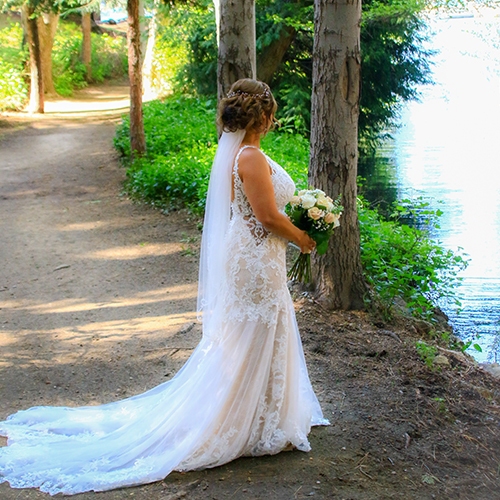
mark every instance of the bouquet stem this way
{"type": "Point", "coordinates": [301, 270]}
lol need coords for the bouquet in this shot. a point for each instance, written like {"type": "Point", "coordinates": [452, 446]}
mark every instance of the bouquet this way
{"type": "Point", "coordinates": [318, 215]}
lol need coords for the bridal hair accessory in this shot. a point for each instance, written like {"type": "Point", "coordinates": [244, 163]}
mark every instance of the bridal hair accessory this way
{"type": "Point", "coordinates": [266, 93]}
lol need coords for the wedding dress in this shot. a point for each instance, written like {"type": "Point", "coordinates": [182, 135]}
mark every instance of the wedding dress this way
{"type": "Point", "coordinates": [244, 391]}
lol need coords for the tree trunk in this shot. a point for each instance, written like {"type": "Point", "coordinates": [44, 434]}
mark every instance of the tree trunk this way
{"type": "Point", "coordinates": [149, 91]}
{"type": "Point", "coordinates": [47, 27]}
{"type": "Point", "coordinates": [143, 26]}
{"type": "Point", "coordinates": [137, 138]}
{"type": "Point", "coordinates": [36, 104]}
{"type": "Point", "coordinates": [237, 57]}
{"type": "Point", "coordinates": [87, 43]}
{"type": "Point", "coordinates": [334, 147]}
{"type": "Point", "coordinates": [272, 55]}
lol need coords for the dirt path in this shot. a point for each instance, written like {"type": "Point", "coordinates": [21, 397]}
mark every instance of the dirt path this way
{"type": "Point", "coordinates": [97, 299]}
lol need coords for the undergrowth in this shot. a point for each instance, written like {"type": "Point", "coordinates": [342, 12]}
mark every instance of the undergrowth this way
{"type": "Point", "coordinates": [400, 261]}
{"type": "Point", "coordinates": [109, 60]}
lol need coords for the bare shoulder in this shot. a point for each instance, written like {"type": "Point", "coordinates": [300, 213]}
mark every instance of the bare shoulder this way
{"type": "Point", "coordinates": [252, 162]}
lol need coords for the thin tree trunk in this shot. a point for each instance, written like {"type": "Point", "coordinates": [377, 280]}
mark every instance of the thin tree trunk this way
{"type": "Point", "coordinates": [36, 104]}
{"type": "Point", "coordinates": [47, 27]}
{"type": "Point", "coordinates": [237, 55]}
{"type": "Point", "coordinates": [87, 43]}
{"type": "Point", "coordinates": [149, 91]}
{"type": "Point", "coordinates": [272, 55]}
{"type": "Point", "coordinates": [334, 147]}
{"type": "Point", "coordinates": [143, 26]}
{"type": "Point", "coordinates": [137, 138]}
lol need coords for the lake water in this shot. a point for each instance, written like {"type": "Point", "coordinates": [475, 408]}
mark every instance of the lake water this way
{"type": "Point", "coordinates": [448, 149]}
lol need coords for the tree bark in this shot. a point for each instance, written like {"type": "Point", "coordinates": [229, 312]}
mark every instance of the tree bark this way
{"type": "Point", "coordinates": [272, 55]}
{"type": "Point", "coordinates": [47, 27]}
{"type": "Point", "coordinates": [149, 92]}
{"type": "Point", "coordinates": [334, 146]}
{"type": "Point", "coordinates": [143, 26]}
{"type": "Point", "coordinates": [87, 43]}
{"type": "Point", "coordinates": [137, 138]}
{"type": "Point", "coordinates": [237, 54]}
{"type": "Point", "coordinates": [36, 103]}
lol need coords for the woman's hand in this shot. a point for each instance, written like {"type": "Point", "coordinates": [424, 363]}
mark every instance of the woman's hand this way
{"type": "Point", "coordinates": [306, 243]}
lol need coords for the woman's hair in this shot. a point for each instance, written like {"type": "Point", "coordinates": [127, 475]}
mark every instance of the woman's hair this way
{"type": "Point", "coordinates": [249, 105]}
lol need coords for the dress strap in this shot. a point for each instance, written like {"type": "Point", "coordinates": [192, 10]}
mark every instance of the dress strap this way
{"type": "Point", "coordinates": [242, 149]}
{"type": "Point", "coordinates": [235, 167]}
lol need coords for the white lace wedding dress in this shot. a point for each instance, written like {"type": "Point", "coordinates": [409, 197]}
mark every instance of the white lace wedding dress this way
{"type": "Point", "coordinates": [244, 391]}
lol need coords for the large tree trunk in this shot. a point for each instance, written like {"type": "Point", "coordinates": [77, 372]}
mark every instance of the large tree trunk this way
{"type": "Point", "coordinates": [47, 27]}
{"type": "Point", "coordinates": [137, 138]}
{"type": "Point", "coordinates": [236, 31]}
{"type": "Point", "coordinates": [87, 43]}
{"type": "Point", "coordinates": [36, 104]}
{"type": "Point", "coordinates": [334, 145]}
{"type": "Point", "coordinates": [272, 55]}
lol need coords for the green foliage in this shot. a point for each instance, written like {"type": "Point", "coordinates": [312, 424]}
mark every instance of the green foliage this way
{"type": "Point", "coordinates": [13, 88]}
{"type": "Point", "coordinates": [402, 261]}
{"type": "Point", "coordinates": [427, 353]}
{"type": "Point", "coordinates": [171, 49]}
{"type": "Point", "coordinates": [109, 58]}
{"type": "Point", "coordinates": [181, 139]}
{"type": "Point", "coordinates": [199, 73]}
{"type": "Point", "coordinates": [399, 260]}
{"type": "Point", "coordinates": [394, 60]}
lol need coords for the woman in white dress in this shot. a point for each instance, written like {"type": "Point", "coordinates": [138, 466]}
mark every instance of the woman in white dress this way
{"type": "Point", "coordinates": [244, 391]}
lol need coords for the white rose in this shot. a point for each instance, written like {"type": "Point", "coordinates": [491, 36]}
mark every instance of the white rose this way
{"type": "Point", "coordinates": [295, 200]}
{"type": "Point", "coordinates": [323, 200]}
{"type": "Point", "coordinates": [308, 201]}
{"type": "Point", "coordinates": [315, 213]}
{"type": "Point", "coordinates": [302, 192]}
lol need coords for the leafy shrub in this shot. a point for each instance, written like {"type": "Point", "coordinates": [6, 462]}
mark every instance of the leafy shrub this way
{"type": "Point", "coordinates": [399, 259]}
{"type": "Point", "coordinates": [108, 58]}
{"type": "Point", "coordinates": [402, 261]}
{"type": "Point", "coordinates": [181, 139]}
{"type": "Point", "coordinates": [13, 88]}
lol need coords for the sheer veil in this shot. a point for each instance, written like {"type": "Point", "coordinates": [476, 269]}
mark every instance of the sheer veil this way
{"type": "Point", "coordinates": [215, 226]}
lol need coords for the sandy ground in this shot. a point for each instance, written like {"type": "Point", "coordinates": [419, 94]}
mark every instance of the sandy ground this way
{"type": "Point", "coordinates": [97, 303]}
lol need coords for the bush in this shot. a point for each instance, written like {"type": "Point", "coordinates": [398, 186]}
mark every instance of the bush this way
{"type": "Point", "coordinates": [181, 139]}
{"type": "Point", "coordinates": [13, 88]}
{"type": "Point", "coordinates": [399, 259]}
{"type": "Point", "coordinates": [402, 261]}
{"type": "Point", "coordinates": [109, 58]}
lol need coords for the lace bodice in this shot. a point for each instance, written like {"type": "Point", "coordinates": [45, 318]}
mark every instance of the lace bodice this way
{"type": "Point", "coordinates": [256, 265]}
{"type": "Point", "coordinates": [283, 184]}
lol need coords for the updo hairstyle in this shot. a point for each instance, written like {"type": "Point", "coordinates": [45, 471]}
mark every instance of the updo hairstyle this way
{"type": "Point", "coordinates": [249, 105]}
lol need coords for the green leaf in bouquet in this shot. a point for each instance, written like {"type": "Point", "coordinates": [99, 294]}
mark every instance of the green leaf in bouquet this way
{"type": "Point", "coordinates": [321, 238]}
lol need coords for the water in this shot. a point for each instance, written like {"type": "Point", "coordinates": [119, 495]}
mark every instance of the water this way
{"type": "Point", "coordinates": [448, 149]}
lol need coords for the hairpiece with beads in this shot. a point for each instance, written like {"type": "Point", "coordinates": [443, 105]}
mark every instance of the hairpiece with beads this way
{"type": "Point", "coordinates": [246, 94]}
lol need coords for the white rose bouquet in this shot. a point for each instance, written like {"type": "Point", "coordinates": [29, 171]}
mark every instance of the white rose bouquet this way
{"type": "Point", "coordinates": [318, 215]}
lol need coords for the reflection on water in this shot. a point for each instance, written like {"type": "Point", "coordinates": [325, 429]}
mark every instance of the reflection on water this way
{"type": "Point", "coordinates": [448, 149]}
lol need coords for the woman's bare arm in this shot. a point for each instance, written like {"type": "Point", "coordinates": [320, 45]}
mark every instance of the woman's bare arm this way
{"type": "Point", "coordinates": [255, 174]}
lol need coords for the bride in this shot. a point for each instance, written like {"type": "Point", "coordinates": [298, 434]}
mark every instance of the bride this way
{"type": "Point", "coordinates": [244, 391]}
